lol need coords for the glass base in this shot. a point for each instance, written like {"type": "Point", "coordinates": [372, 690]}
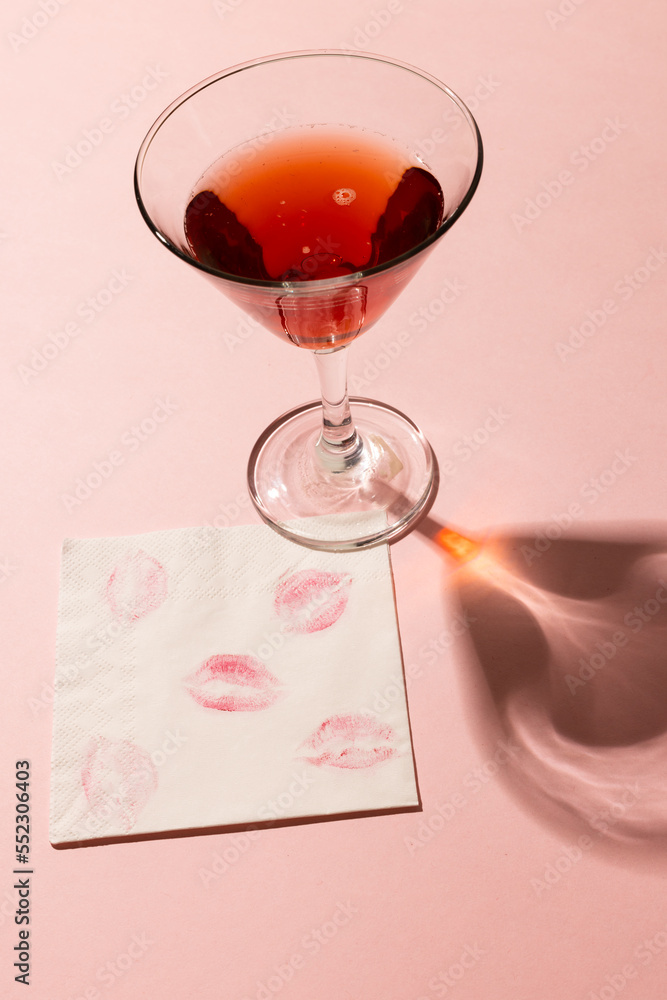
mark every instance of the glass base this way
{"type": "Point", "coordinates": [371, 498]}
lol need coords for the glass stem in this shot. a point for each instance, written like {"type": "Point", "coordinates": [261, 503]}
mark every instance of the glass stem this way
{"type": "Point", "coordinates": [339, 445]}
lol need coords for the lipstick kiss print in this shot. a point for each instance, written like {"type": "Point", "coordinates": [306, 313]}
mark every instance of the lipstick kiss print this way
{"type": "Point", "coordinates": [118, 779]}
{"type": "Point", "coordinates": [233, 683]}
{"type": "Point", "coordinates": [137, 585]}
{"type": "Point", "coordinates": [350, 741]}
{"type": "Point", "coordinates": [311, 600]}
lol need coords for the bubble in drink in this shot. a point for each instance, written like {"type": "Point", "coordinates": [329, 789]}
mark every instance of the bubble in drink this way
{"type": "Point", "coordinates": [344, 196]}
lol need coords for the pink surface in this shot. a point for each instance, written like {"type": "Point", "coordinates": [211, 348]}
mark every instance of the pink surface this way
{"type": "Point", "coordinates": [530, 350]}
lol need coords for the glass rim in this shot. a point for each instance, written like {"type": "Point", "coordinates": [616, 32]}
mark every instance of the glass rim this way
{"type": "Point", "coordinates": [301, 287]}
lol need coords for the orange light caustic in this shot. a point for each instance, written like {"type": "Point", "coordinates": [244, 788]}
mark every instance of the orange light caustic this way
{"type": "Point", "coordinates": [458, 546]}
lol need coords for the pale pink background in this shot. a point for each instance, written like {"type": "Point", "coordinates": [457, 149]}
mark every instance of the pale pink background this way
{"type": "Point", "coordinates": [543, 90]}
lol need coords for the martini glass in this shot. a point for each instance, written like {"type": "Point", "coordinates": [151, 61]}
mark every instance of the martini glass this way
{"type": "Point", "coordinates": [338, 473]}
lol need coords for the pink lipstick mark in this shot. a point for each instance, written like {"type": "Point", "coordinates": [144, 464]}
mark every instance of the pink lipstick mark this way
{"type": "Point", "coordinates": [232, 683]}
{"type": "Point", "coordinates": [351, 741]}
{"type": "Point", "coordinates": [118, 778]}
{"type": "Point", "coordinates": [311, 600]}
{"type": "Point", "coordinates": [137, 585]}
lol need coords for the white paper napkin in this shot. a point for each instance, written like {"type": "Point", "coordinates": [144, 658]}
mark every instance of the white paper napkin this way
{"type": "Point", "coordinates": [209, 677]}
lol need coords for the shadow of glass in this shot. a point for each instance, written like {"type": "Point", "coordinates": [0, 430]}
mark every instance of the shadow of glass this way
{"type": "Point", "coordinates": [570, 639]}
